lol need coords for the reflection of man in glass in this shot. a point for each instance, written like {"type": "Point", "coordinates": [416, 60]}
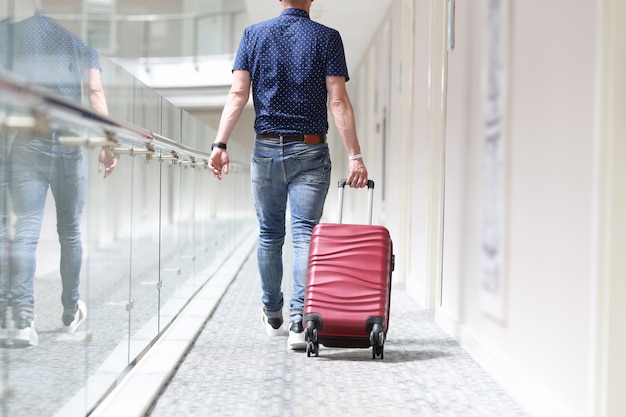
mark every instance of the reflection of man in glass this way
{"type": "Point", "coordinates": [4, 199]}
{"type": "Point", "coordinates": [46, 54]}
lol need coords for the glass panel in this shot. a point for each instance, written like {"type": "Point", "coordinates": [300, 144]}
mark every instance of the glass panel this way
{"type": "Point", "coordinates": [165, 37]}
{"type": "Point", "coordinates": [131, 35]}
{"type": "Point", "coordinates": [5, 374]}
{"type": "Point", "coordinates": [151, 233]}
{"type": "Point", "coordinates": [100, 25]}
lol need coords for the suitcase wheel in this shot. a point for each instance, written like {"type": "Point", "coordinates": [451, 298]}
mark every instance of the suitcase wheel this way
{"type": "Point", "coordinates": [312, 348]}
{"type": "Point", "coordinates": [378, 351]}
{"type": "Point", "coordinates": [310, 335]}
{"type": "Point", "coordinates": [377, 341]}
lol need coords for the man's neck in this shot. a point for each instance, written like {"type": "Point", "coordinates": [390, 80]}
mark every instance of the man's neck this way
{"type": "Point", "coordinates": [306, 6]}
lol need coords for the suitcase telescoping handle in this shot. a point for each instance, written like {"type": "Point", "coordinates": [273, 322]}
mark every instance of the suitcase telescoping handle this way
{"type": "Point", "coordinates": [370, 200]}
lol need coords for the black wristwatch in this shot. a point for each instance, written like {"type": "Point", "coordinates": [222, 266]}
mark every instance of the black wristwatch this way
{"type": "Point", "coordinates": [218, 145]}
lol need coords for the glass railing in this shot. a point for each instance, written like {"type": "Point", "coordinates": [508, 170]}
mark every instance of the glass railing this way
{"type": "Point", "coordinates": [153, 232]}
{"type": "Point", "coordinates": [159, 35]}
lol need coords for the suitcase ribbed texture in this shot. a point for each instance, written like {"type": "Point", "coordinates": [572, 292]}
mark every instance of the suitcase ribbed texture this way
{"type": "Point", "coordinates": [349, 279]}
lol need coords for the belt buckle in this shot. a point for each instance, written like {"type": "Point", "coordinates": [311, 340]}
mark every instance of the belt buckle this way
{"type": "Point", "coordinates": [312, 139]}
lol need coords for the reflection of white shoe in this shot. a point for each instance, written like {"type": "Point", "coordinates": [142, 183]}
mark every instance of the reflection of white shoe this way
{"type": "Point", "coordinates": [79, 318]}
{"type": "Point", "coordinates": [25, 333]}
{"type": "Point", "coordinates": [5, 331]}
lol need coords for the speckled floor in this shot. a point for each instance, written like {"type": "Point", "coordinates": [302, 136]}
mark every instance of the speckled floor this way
{"type": "Point", "coordinates": [235, 369]}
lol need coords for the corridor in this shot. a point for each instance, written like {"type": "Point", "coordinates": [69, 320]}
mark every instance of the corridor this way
{"type": "Point", "coordinates": [235, 369]}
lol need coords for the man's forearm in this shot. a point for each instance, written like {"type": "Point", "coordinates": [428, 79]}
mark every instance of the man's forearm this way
{"type": "Point", "coordinates": [343, 115]}
{"type": "Point", "coordinates": [235, 104]}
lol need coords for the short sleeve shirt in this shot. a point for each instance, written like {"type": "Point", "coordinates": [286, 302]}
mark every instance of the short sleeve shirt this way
{"type": "Point", "coordinates": [46, 54]}
{"type": "Point", "coordinates": [289, 58]}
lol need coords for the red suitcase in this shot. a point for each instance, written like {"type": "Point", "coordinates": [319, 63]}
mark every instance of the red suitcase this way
{"type": "Point", "coordinates": [348, 284]}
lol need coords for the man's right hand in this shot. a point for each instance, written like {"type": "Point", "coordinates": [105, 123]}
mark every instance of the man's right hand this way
{"type": "Point", "coordinates": [219, 162]}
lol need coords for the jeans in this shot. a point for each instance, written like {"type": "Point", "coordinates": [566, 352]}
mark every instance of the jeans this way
{"type": "Point", "coordinates": [299, 173]}
{"type": "Point", "coordinates": [36, 165]}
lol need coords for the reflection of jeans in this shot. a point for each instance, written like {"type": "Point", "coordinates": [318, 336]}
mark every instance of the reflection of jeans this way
{"type": "Point", "coordinates": [37, 164]}
{"type": "Point", "coordinates": [4, 230]}
{"type": "Point", "coordinates": [301, 173]}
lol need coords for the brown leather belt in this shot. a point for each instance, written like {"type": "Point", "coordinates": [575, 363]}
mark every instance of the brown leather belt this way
{"type": "Point", "coordinates": [309, 139]}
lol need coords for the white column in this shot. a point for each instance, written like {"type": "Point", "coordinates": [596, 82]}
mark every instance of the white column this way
{"type": "Point", "coordinates": [609, 361]}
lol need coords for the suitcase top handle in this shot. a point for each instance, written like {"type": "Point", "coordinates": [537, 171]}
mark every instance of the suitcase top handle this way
{"type": "Point", "coordinates": [370, 200]}
{"type": "Point", "coordinates": [343, 182]}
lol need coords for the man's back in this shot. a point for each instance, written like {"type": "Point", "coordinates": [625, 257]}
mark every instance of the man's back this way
{"type": "Point", "coordinates": [289, 58]}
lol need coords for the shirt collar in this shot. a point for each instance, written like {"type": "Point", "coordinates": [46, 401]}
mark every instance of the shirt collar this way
{"type": "Point", "coordinates": [295, 12]}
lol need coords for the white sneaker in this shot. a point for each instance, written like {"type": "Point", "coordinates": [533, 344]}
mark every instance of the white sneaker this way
{"type": "Point", "coordinates": [25, 333]}
{"type": "Point", "coordinates": [273, 325]}
{"type": "Point", "coordinates": [296, 339]}
{"type": "Point", "coordinates": [79, 318]}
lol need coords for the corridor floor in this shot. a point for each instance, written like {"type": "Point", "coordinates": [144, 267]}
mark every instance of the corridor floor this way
{"type": "Point", "coordinates": [235, 369]}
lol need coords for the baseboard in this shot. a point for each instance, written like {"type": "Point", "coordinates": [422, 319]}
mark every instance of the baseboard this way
{"type": "Point", "coordinates": [528, 394]}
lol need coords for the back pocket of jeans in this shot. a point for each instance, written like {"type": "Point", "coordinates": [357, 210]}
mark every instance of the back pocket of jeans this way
{"type": "Point", "coordinates": [74, 167]}
{"type": "Point", "coordinates": [313, 166]}
{"type": "Point", "coordinates": [260, 172]}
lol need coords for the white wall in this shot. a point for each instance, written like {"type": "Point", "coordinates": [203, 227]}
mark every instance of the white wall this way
{"type": "Point", "coordinates": [418, 282]}
{"type": "Point", "coordinates": [382, 93]}
{"type": "Point", "coordinates": [541, 348]}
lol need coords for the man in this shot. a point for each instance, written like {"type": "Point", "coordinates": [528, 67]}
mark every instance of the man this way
{"type": "Point", "coordinates": [49, 56]}
{"type": "Point", "coordinates": [294, 67]}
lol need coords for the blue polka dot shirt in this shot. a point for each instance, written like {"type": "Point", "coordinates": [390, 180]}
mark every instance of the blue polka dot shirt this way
{"type": "Point", "coordinates": [288, 59]}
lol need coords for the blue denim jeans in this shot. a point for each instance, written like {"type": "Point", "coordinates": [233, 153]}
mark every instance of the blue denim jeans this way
{"type": "Point", "coordinates": [37, 164]}
{"type": "Point", "coordinates": [300, 174]}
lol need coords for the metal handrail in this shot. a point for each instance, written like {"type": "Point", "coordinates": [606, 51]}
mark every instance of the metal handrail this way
{"type": "Point", "coordinates": [121, 136]}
